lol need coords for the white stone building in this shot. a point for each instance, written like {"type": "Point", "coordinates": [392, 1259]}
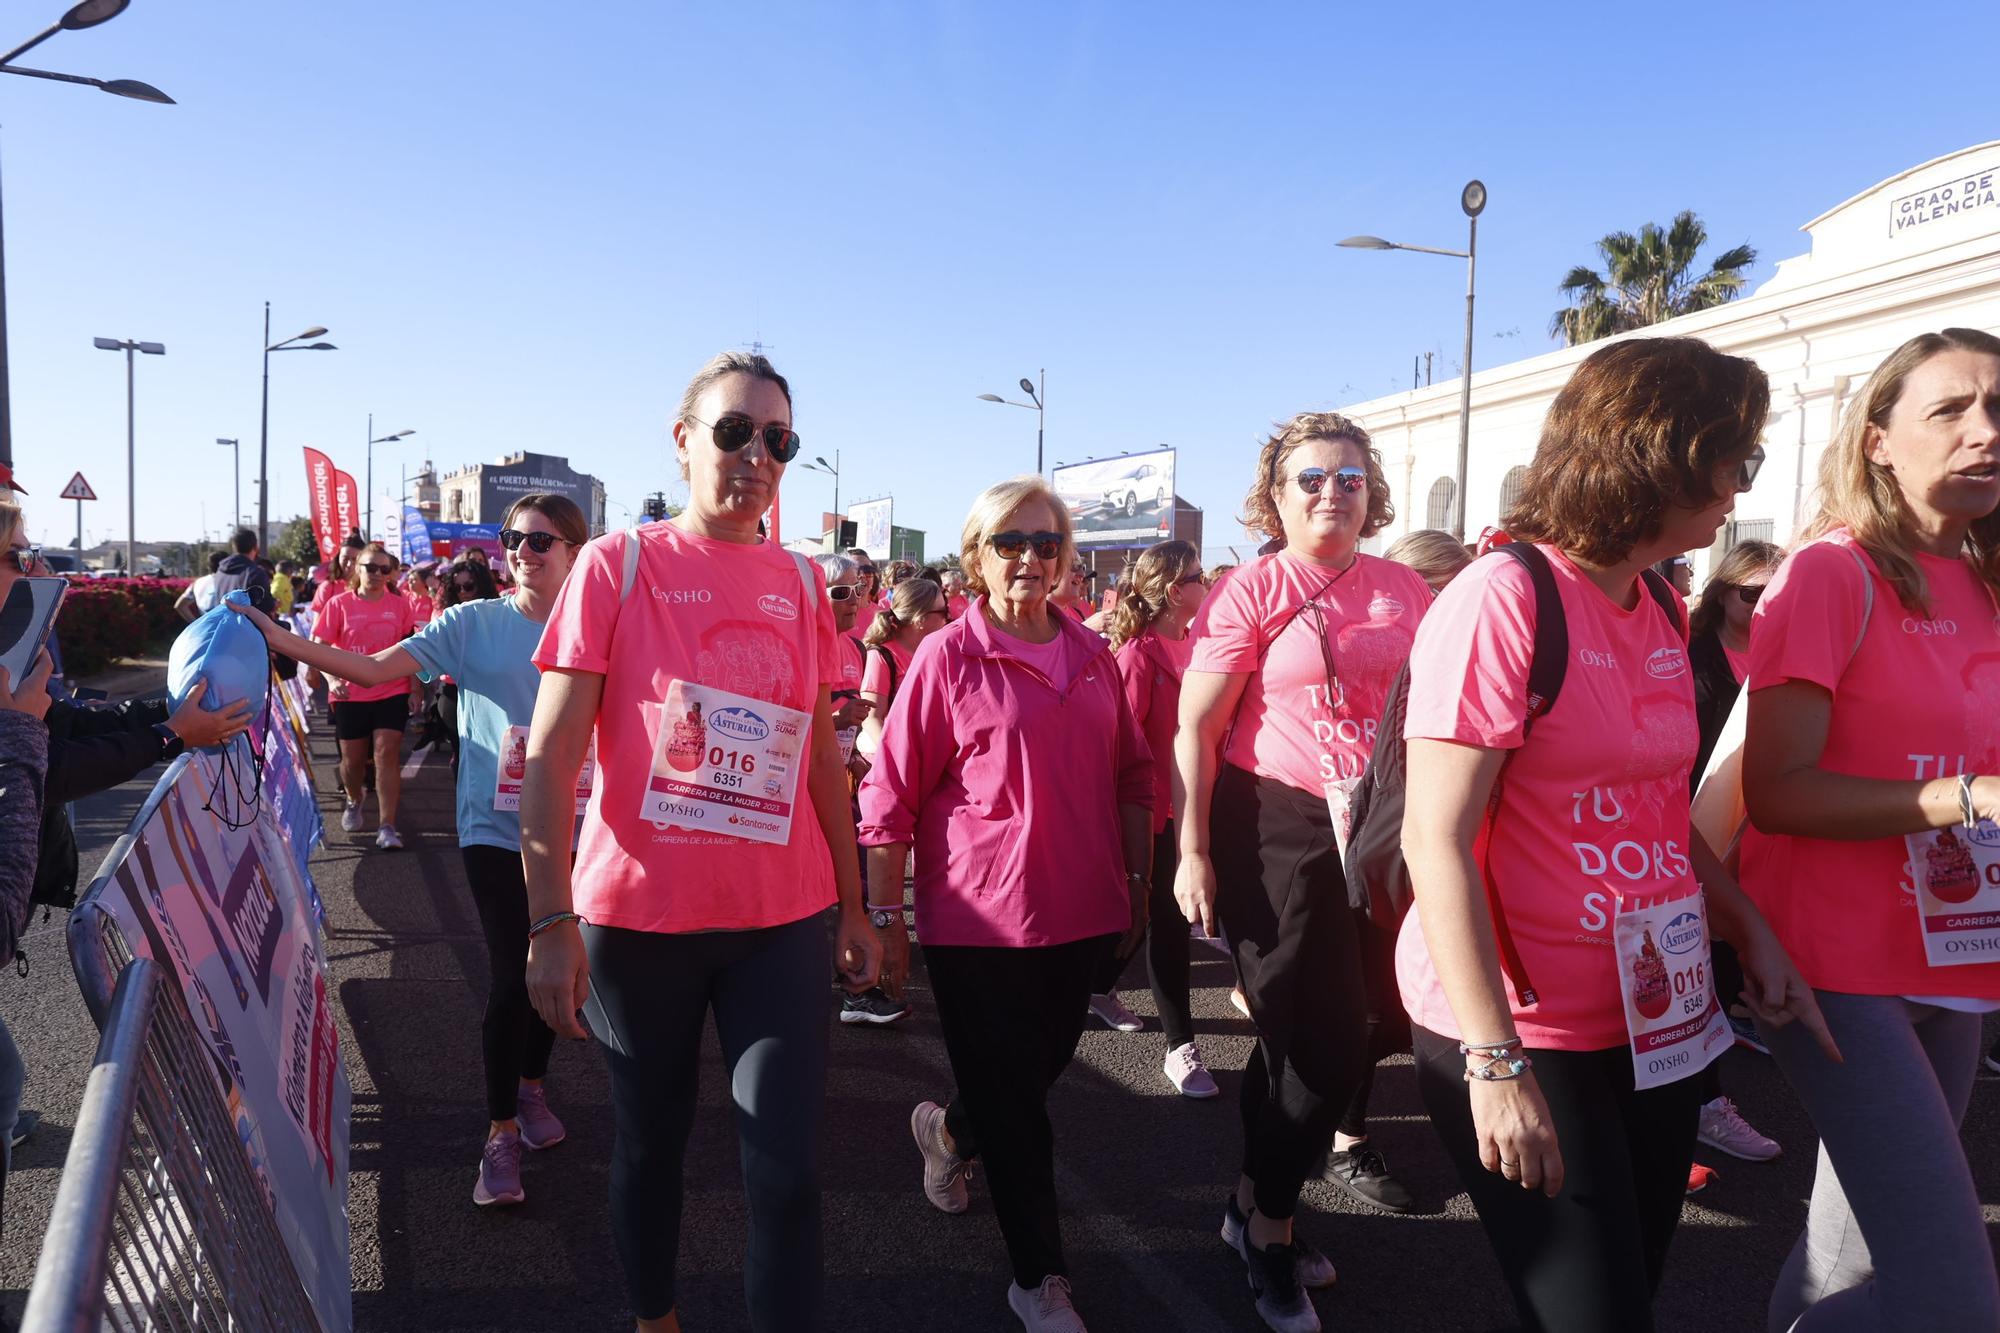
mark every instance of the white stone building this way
{"type": "Point", "coordinates": [1916, 253]}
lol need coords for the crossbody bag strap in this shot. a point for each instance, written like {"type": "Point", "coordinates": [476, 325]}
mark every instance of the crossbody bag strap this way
{"type": "Point", "coordinates": [631, 564]}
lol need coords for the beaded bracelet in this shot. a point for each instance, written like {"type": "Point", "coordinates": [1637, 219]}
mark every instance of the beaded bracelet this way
{"type": "Point", "coordinates": [554, 919]}
{"type": "Point", "coordinates": [1965, 811]}
{"type": "Point", "coordinates": [1500, 1069]}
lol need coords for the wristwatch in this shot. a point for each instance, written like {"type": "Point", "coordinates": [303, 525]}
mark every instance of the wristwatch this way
{"type": "Point", "coordinates": [884, 917]}
{"type": "Point", "coordinates": [171, 744]}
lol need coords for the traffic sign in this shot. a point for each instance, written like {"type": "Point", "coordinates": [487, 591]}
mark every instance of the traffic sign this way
{"type": "Point", "coordinates": [78, 489]}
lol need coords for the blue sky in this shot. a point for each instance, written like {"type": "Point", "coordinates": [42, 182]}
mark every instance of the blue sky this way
{"type": "Point", "coordinates": [526, 224]}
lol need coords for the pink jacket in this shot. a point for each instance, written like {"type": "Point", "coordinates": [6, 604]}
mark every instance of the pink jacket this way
{"type": "Point", "coordinates": [1009, 788]}
{"type": "Point", "coordinates": [1151, 669]}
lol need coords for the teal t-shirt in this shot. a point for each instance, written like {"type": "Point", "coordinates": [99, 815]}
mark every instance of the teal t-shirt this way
{"type": "Point", "coordinates": [488, 647]}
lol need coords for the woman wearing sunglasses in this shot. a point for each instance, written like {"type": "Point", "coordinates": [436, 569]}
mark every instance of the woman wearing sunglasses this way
{"type": "Point", "coordinates": [1292, 661]}
{"type": "Point", "coordinates": [369, 717]}
{"type": "Point", "coordinates": [1013, 766]}
{"type": "Point", "coordinates": [487, 646]}
{"type": "Point", "coordinates": [702, 658]}
{"type": "Point", "coordinates": [1556, 968]}
{"type": "Point", "coordinates": [1873, 749]}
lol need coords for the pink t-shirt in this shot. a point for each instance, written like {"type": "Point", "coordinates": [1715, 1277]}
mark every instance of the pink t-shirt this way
{"type": "Point", "coordinates": [1919, 700]}
{"type": "Point", "coordinates": [1739, 663]}
{"type": "Point", "coordinates": [351, 621]}
{"type": "Point", "coordinates": [1151, 668]}
{"type": "Point", "coordinates": [1594, 806]}
{"type": "Point", "coordinates": [853, 656]}
{"type": "Point", "coordinates": [955, 604]}
{"type": "Point", "coordinates": [875, 674]}
{"type": "Point", "coordinates": [1252, 622]}
{"type": "Point", "coordinates": [713, 613]}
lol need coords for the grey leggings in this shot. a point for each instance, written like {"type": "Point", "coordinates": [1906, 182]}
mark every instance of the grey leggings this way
{"type": "Point", "coordinates": [1894, 1238]}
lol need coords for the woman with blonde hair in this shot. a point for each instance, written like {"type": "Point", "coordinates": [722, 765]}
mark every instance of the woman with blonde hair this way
{"type": "Point", "coordinates": [1158, 597]}
{"type": "Point", "coordinates": [1869, 772]}
{"type": "Point", "coordinates": [1014, 767]}
{"type": "Point", "coordinates": [914, 609]}
{"type": "Point", "coordinates": [1437, 556]}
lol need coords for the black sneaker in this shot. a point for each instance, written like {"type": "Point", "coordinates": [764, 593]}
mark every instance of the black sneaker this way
{"type": "Point", "coordinates": [1281, 1301]}
{"type": "Point", "coordinates": [1361, 1174]}
{"type": "Point", "coordinates": [872, 1006]}
{"type": "Point", "coordinates": [25, 1124]}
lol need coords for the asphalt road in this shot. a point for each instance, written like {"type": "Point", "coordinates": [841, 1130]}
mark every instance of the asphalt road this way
{"type": "Point", "coordinates": [1142, 1171]}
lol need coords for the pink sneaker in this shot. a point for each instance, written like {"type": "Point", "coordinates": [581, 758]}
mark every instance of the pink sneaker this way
{"type": "Point", "coordinates": [539, 1126]}
{"type": "Point", "coordinates": [500, 1171]}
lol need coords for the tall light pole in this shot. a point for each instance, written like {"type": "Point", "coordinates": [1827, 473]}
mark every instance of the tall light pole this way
{"type": "Point", "coordinates": [131, 485]}
{"type": "Point", "coordinates": [368, 523]}
{"type": "Point", "coordinates": [88, 14]}
{"type": "Point", "coordinates": [832, 470]}
{"type": "Point", "coordinates": [1472, 200]}
{"type": "Point", "coordinates": [1034, 401]}
{"type": "Point", "coordinates": [236, 518]}
{"type": "Point", "coordinates": [296, 343]}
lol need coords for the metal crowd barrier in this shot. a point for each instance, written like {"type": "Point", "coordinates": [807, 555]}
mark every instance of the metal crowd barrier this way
{"type": "Point", "coordinates": [159, 1223]}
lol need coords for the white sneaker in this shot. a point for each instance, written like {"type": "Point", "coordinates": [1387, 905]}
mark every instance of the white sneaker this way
{"type": "Point", "coordinates": [1188, 1074]}
{"type": "Point", "coordinates": [1047, 1308]}
{"type": "Point", "coordinates": [1111, 1012]}
{"type": "Point", "coordinates": [945, 1172]}
{"type": "Point", "coordinates": [1241, 1001]}
{"type": "Point", "coordinates": [350, 817]}
{"type": "Point", "coordinates": [388, 839]}
{"type": "Point", "coordinates": [1723, 1128]}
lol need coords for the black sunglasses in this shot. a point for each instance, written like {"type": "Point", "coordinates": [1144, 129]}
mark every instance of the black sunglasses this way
{"type": "Point", "coordinates": [538, 542]}
{"type": "Point", "coordinates": [384, 570]}
{"type": "Point", "coordinates": [1746, 473]}
{"type": "Point", "coordinates": [26, 558]}
{"type": "Point", "coordinates": [1749, 596]}
{"type": "Point", "coordinates": [733, 432]}
{"type": "Point", "coordinates": [1191, 579]}
{"type": "Point", "coordinates": [1350, 479]}
{"type": "Point", "coordinates": [1010, 545]}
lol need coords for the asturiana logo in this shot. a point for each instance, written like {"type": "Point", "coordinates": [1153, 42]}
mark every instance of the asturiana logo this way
{"type": "Point", "coordinates": [773, 605]}
{"type": "Point", "coordinates": [1666, 663]}
{"type": "Point", "coordinates": [1385, 607]}
{"type": "Point", "coordinates": [1682, 934]}
{"type": "Point", "coordinates": [739, 724]}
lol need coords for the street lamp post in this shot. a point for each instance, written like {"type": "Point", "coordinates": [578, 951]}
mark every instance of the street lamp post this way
{"type": "Point", "coordinates": [131, 487]}
{"type": "Point", "coordinates": [832, 470]}
{"type": "Point", "coordinates": [236, 453]}
{"type": "Point", "coordinates": [88, 14]}
{"type": "Point", "coordinates": [1472, 200]}
{"type": "Point", "coordinates": [368, 523]}
{"type": "Point", "coordinates": [1034, 401]}
{"type": "Point", "coordinates": [293, 344]}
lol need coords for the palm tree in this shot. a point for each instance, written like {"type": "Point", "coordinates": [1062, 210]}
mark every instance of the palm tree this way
{"type": "Point", "coordinates": [1648, 278]}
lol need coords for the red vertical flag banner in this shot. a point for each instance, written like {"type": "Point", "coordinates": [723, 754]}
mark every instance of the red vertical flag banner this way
{"type": "Point", "coordinates": [320, 486]}
{"type": "Point", "coordinates": [346, 504]}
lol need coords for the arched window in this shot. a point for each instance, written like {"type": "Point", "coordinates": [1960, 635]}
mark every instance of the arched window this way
{"type": "Point", "coordinates": [1438, 511]}
{"type": "Point", "coordinates": [1510, 490]}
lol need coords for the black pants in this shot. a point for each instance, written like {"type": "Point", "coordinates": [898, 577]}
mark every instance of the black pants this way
{"type": "Point", "coordinates": [1166, 947]}
{"type": "Point", "coordinates": [1589, 1259]}
{"type": "Point", "coordinates": [1728, 972]}
{"type": "Point", "coordinates": [514, 1042]}
{"type": "Point", "coordinates": [1388, 1024]}
{"type": "Point", "coordinates": [1011, 1020]}
{"type": "Point", "coordinates": [1282, 902]}
{"type": "Point", "coordinates": [650, 995]}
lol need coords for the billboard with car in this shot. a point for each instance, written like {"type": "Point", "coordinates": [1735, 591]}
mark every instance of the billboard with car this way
{"type": "Point", "coordinates": [1123, 501]}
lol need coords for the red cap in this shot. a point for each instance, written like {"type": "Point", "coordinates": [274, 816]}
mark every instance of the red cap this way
{"type": "Point", "coordinates": [7, 481]}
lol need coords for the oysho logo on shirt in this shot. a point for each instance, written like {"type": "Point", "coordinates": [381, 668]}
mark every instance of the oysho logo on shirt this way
{"type": "Point", "coordinates": [777, 607]}
{"type": "Point", "coordinates": [1666, 663]}
{"type": "Point", "coordinates": [684, 596]}
{"type": "Point", "coordinates": [1385, 607]}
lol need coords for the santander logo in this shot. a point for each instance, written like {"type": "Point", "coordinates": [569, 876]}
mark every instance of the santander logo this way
{"type": "Point", "coordinates": [1666, 663]}
{"type": "Point", "coordinates": [777, 607]}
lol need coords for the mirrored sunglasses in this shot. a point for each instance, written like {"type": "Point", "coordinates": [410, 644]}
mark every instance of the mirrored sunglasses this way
{"type": "Point", "coordinates": [1350, 479]}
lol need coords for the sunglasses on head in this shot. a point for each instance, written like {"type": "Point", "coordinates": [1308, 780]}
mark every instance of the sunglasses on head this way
{"type": "Point", "coordinates": [1350, 479]}
{"type": "Point", "coordinates": [538, 542]}
{"type": "Point", "coordinates": [1010, 545]}
{"type": "Point", "coordinates": [1749, 596]}
{"type": "Point", "coordinates": [733, 432]}
{"type": "Point", "coordinates": [374, 568]}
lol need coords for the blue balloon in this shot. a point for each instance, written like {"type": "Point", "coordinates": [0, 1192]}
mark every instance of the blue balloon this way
{"type": "Point", "coordinates": [226, 650]}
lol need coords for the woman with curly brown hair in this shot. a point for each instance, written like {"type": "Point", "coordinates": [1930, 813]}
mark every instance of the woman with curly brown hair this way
{"type": "Point", "coordinates": [1293, 658]}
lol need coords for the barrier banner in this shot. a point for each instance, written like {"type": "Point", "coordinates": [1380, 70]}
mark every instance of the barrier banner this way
{"type": "Point", "coordinates": [288, 789]}
{"type": "Point", "coordinates": [224, 913]}
{"type": "Point", "coordinates": [320, 486]}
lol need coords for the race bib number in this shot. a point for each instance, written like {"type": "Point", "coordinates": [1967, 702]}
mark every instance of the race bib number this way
{"type": "Point", "coordinates": [1672, 1016]}
{"type": "Point", "coordinates": [513, 769]}
{"type": "Point", "coordinates": [725, 763]}
{"type": "Point", "coordinates": [845, 739]}
{"type": "Point", "coordinates": [1957, 874]}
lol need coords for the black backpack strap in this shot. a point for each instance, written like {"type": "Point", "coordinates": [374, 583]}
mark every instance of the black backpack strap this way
{"type": "Point", "coordinates": [888, 660]}
{"type": "Point", "coordinates": [1663, 593]}
{"type": "Point", "coordinates": [1547, 667]}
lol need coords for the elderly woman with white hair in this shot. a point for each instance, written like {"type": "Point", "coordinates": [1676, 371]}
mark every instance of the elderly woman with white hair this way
{"type": "Point", "coordinates": [1013, 764]}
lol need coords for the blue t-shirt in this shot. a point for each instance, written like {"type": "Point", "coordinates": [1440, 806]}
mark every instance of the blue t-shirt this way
{"type": "Point", "coordinates": [488, 647]}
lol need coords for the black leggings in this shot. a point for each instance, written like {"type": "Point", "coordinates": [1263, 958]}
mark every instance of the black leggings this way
{"type": "Point", "coordinates": [650, 995]}
{"type": "Point", "coordinates": [1388, 1024]}
{"type": "Point", "coordinates": [1282, 902]}
{"type": "Point", "coordinates": [1166, 947]}
{"type": "Point", "coordinates": [1590, 1258]}
{"type": "Point", "coordinates": [1011, 1019]}
{"type": "Point", "coordinates": [514, 1042]}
